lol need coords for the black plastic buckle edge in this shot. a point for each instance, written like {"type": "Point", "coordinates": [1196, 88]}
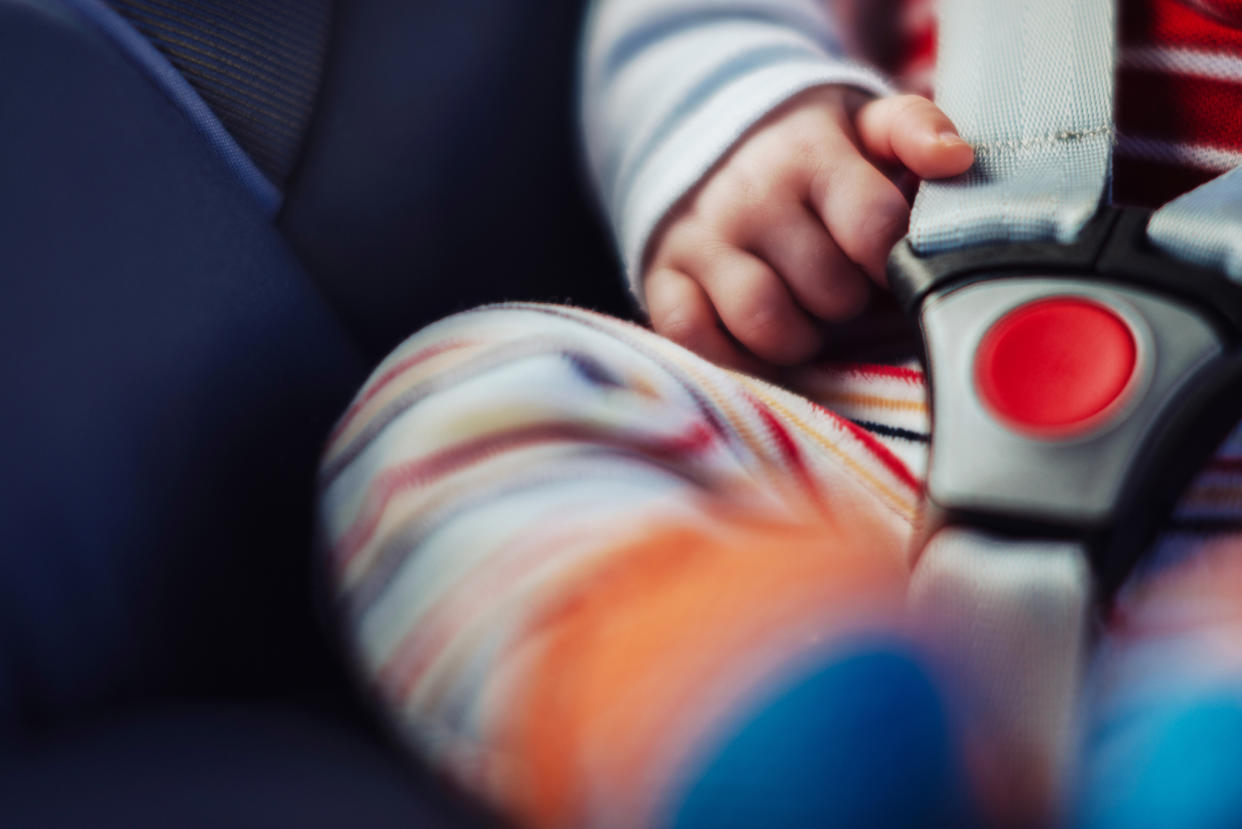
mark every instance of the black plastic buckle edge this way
{"type": "Point", "coordinates": [1112, 247]}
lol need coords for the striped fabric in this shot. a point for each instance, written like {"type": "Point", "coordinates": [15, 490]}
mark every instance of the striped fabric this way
{"type": "Point", "coordinates": [256, 64]}
{"type": "Point", "coordinates": [525, 501]}
{"type": "Point", "coordinates": [568, 552]}
{"type": "Point", "coordinates": [663, 100]}
{"type": "Point", "coordinates": [570, 557]}
{"type": "Point", "coordinates": [1179, 83]}
{"type": "Point", "coordinates": [668, 86]}
{"type": "Point", "coordinates": [1179, 78]}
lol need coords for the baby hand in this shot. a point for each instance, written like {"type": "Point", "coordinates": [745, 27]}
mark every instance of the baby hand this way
{"type": "Point", "coordinates": [783, 235]}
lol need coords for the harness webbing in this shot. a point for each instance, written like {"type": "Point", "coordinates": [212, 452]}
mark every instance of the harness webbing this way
{"type": "Point", "coordinates": [1014, 617]}
{"type": "Point", "coordinates": [1204, 226]}
{"type": "Point", "coordinates": [1029, 83]}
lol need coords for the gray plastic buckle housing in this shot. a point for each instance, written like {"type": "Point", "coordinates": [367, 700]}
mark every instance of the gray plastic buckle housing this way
{"type": "Point", "coordinates": [1109, 486]}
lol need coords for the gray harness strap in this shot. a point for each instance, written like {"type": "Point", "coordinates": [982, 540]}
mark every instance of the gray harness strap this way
{"type": "Point", "coordinates": [1029, 83]}
{"type": "Point", "coordinates": [1204, 226]}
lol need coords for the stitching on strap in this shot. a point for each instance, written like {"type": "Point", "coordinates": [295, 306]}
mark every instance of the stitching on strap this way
{"type": "Point", "coordinates": [1051, 138]}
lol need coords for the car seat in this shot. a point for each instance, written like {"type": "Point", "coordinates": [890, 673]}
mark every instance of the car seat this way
{"type": "Point", "coordinates": [215, 215]}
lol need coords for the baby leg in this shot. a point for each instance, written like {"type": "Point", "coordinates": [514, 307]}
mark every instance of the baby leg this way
{"type": "Point", "coordinates": [601, 582]}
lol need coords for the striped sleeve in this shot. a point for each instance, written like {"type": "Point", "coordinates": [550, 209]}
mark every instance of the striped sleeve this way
{"type": "Point", "coordinates": [668, 86]}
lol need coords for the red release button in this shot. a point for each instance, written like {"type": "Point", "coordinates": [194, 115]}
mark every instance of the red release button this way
{"type": "Point", "coordinates": [1055, 365]}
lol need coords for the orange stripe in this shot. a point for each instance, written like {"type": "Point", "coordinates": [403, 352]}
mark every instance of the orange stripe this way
{"type": "Point", "coordinates": [905, 507]}
{"type": "Point", "coordinates": [628, 650]}
{"type": "Point", "coordinates": [875, 401]}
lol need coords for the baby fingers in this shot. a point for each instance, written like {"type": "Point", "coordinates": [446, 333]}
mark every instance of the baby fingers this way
{"type": "Point", "coordinates": [912, 131]}
{"type": "Point", "coordinates": [758, 309]}
{"type": "Point", "coordinates": [680, 310]}
{"type": "Point", "coordinates": [746, 294]}
{"type": "Point", "coordinates": [820, 276]}
{"type": "Point", "coordinates": [864, 211]}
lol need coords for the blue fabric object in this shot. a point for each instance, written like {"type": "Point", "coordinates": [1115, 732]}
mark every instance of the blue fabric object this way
{"type": "Point", "coordinates": [1176, 762]}
{"type": "Point", "coordinates": [862, 741]}
{"type": "Point", "coordinates": [168, 376]}
{"type": "Point", "coordinates": [179, 91]}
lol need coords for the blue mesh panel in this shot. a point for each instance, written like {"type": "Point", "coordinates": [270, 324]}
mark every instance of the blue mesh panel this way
{"type": "Point", "coordinates": [256, 64]}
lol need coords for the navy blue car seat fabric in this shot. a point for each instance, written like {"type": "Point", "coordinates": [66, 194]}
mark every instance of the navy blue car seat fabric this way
{"type": "Point", "coordinates": [170, 370]}
{"type": "Point", "coordinates": [143, 54]}
{"type": "Point", "coordinates": [440, 170]}
{"type": "Point", "coordinates": [257, 65]}
{"type": "Point", "coordinates": [168, 374]}
{"type": "Point", "coordinates": [190, 766]}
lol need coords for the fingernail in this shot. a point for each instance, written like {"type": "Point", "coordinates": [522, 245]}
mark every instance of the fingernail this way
{"type": "Point", "coordinates": [952, 139]}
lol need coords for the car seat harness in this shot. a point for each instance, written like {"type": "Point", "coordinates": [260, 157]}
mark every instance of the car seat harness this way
{"type": "Point", "coordinates": [1084, 361]}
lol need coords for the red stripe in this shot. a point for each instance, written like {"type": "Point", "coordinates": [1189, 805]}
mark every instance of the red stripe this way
{"type": "Point", "coordinates": [413, 474]}
{"type": "Point", "coordinates": [920, 47]}
{"type": "Point", "coordinates": [1176, 23]}
{"type": "Point", "coordinates": [788, 447]}
{"type": "Point", "coordinates": [1228, 12]}
{"type": "Point", "coordinates": [387, 377]}
{"type": "Point", "coordinates": [879, 370]}
{"type": "Point", "coordinates": [1226, 465]}
{"type": "Point", "coordinates": [1195, 110]}
{"type": "Point", "coordinates": [881, 452]}
{"type": "Point", "coordinates": [1172, 107]}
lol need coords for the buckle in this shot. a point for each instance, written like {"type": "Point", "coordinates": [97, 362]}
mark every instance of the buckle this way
{"type": "Point", "coordinates": [1112, 247]}
{"type": "Point", "coordinates": [1076, 389]}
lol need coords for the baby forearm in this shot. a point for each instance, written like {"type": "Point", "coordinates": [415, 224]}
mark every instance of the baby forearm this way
{"type": "Point", "coordinates": [668, 86]}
